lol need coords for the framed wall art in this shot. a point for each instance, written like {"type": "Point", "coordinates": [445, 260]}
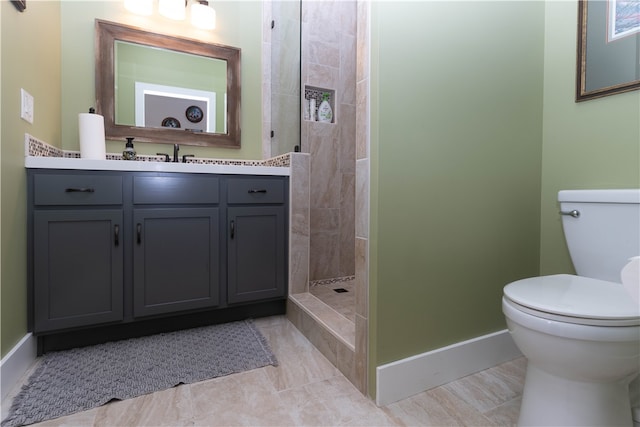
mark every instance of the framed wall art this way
{"type": "Point", "coordinates": [608, 59]}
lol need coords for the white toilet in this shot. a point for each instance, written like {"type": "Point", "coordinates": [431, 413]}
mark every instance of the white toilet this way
{"type": "Point", "coordinates": [581, 334]}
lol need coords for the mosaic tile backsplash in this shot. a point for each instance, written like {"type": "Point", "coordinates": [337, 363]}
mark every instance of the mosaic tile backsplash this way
{"type": "Point", "coordinates": [37, 148]}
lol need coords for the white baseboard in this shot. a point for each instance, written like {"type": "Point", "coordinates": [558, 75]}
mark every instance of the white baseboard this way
{"type": "Point", "coordinates": [403, 378]}
{"type": "Point", "coordinates": [14, 365]}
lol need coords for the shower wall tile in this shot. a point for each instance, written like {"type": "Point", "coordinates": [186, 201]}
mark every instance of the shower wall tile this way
{"type": "Point", "coordinates": [299, 193]}
{"type": "Point", "coordinates": [348, 17]}
{"type": "Point", "coordinates": [299, 264]}
{"type": "Point", "coordinates": [323, 20]}
{"type": "Point", "coordinates": [325, 219]}
{"type": "Point", "coordinates": [329, 61]}
{"type": "Point", "coordinates": [346, 361]}
{"type": "Point", "coordinates": [362, 119]}
{"type": "Point", "coordinates": [362, 198]}
{"type": "Point", "coordinates": [325, 179]}
{"type": "Point", "coordinates": [347, 124]}
{"type": "Point", "coordinates": [320, 337]}
{"type": "Point", "coordinates": [347, 88]}
{"type": "Point", "coordinates": [361, 359]}
{"type": "Point", "coordinates": [362, 51]}
{"type": "Point", "coordinates": [325, 259]}
{"type": "Point", "coordinates": [304, 136]}
{"type": "Point", "coordinates": [339, 351]}
{"type": "Point", "coordinates": [362, 277]}
{"type": "Point", "coordinates": [347, 225]}
{"type": "Point", "coordinates": [322, 76]}
{"type": "Point", "coordinates": [321, 52]}
{"type": "Point", "coordinates": [299, 240]}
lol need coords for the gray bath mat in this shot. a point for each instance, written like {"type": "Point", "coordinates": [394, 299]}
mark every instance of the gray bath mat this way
{"type": "Point", "coordinates": [75, 380]}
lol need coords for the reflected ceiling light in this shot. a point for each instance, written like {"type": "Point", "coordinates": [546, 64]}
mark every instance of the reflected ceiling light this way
{"type": "Point", "coordinates": [173, 9]}
{"type": "Point", "coordinates": [203, 16]}
{"type": "Point", "coordinates": [139, 7]}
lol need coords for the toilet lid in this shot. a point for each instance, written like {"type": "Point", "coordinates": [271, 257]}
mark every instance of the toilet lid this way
{"type": "Point", "coordinates": [588, 301]}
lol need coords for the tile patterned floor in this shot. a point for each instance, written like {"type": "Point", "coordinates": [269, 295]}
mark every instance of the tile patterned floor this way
{"type": "Point", "coordinates": [306, 390]}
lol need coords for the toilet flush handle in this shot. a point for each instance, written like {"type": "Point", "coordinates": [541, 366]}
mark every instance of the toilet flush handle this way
{"type": "Point", "coordinates": [574, 213]}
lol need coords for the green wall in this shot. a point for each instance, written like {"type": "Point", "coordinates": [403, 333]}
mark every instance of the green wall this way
{"type": "Point", "coordinates": [474, 130]}
{"type": "Point", "coordinates": [30, 61]}
{"type": "Point", "coordinates": [592, 144]}
{"type": "Point", "coordinates": [456, 157]}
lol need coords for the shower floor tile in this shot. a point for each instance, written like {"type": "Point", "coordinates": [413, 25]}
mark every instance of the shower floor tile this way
{"type": "Point", "coordinates": [342, 302]}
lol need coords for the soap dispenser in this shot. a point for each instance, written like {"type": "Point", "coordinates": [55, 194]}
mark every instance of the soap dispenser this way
{"type": "Point", "coordinates": [129, 153]}
{"type": "Point", "coordinates": [325, 113]}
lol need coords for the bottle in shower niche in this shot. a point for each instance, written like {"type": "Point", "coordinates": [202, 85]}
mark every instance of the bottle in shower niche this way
{"type": "Point", "coordinates": [325, 113]}
{"type": "Point", "coordinates": [312, 109]}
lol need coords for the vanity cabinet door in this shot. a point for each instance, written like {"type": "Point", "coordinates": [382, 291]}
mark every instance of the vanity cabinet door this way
{"type": "Point", "coordinates": [256, 253]}
{"type": "Point", "coordinates": [175, 260]}
{"type": "Point", "coordinates": [77, 268]}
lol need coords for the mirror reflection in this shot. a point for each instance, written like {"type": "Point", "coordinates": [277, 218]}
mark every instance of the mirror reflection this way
{"type": "Point", "coordinates": [167, 89]}
{"type": "Point", "coordinates": [162, 88]}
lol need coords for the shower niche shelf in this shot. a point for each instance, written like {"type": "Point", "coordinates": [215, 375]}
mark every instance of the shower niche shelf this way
{"type": "Point", "coordinates": [310, 111]}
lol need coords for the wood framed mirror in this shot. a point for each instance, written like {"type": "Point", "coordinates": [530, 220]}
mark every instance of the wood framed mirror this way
{"type": "Point", "coordinates": [166, 89]}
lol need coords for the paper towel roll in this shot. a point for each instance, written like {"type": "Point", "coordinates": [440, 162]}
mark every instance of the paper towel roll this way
{"type": "Point", "coordinates": [91, 130]}
{"type": "Point", "coordinates": [630, 276]}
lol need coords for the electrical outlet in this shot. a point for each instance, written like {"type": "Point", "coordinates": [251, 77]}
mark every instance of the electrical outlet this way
{"type": "Point", "coordinates": [26, 106]}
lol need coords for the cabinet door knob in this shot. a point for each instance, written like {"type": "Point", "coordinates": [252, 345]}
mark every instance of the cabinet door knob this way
{"type": "Point", "coordinates": [257, 191]}
{"type": "Point", "coordinates": [116, 234]}
{"type": "Point", "coordinates": [139, 233]}
{"type": "Point", "coordinates": [233, 228]}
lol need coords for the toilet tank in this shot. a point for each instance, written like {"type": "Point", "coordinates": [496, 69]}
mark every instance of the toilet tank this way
{"type": "Point", "coordinates": [605, 234]}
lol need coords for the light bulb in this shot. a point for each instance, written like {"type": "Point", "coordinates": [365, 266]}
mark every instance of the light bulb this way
{"type": "Point", "coordinates": [203, 16]}
{"type": "Point", "coordinates": [172, 9]}
{"type": "Point", "coordinates": [139, 7]}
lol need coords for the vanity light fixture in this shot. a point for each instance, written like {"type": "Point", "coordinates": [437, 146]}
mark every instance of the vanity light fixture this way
{"type": "Point", "coordinates": [172, 9]}
{"type": "Point", "coordinates": [139, 7]}
{"type": "Point", "coordinates": [202, 15]}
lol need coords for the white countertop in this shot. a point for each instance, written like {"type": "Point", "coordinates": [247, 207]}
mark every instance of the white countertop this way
{"type": "Point", "coordinates": [35, 162]}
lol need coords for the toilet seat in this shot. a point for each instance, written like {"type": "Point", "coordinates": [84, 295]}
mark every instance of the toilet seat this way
{"type": "Point", "coordinates": [574, 299]}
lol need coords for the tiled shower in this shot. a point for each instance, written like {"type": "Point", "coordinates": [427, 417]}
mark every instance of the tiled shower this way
{"type": "Point", "coordinates": [329, 187]}
{"type": "Point", "coordinates": [328, 239]}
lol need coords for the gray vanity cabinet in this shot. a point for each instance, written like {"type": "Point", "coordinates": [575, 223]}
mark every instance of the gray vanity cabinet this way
{"type": "Point", "coordinates": [77, 252]}
{"type": "Point", "coordinates": [256, 243]}
{"type": "Point", "coordinates": [176, 255]}
{"type": "Point", "coordinates": [109, 249]}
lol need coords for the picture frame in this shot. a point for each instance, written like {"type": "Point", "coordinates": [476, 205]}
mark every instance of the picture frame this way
{"type": "Point", "coordinates": [608, 56]}
{"type": "Point", "coordinates": [154, 102]}
{"type": "Point", "coordinates": [21, 5]}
